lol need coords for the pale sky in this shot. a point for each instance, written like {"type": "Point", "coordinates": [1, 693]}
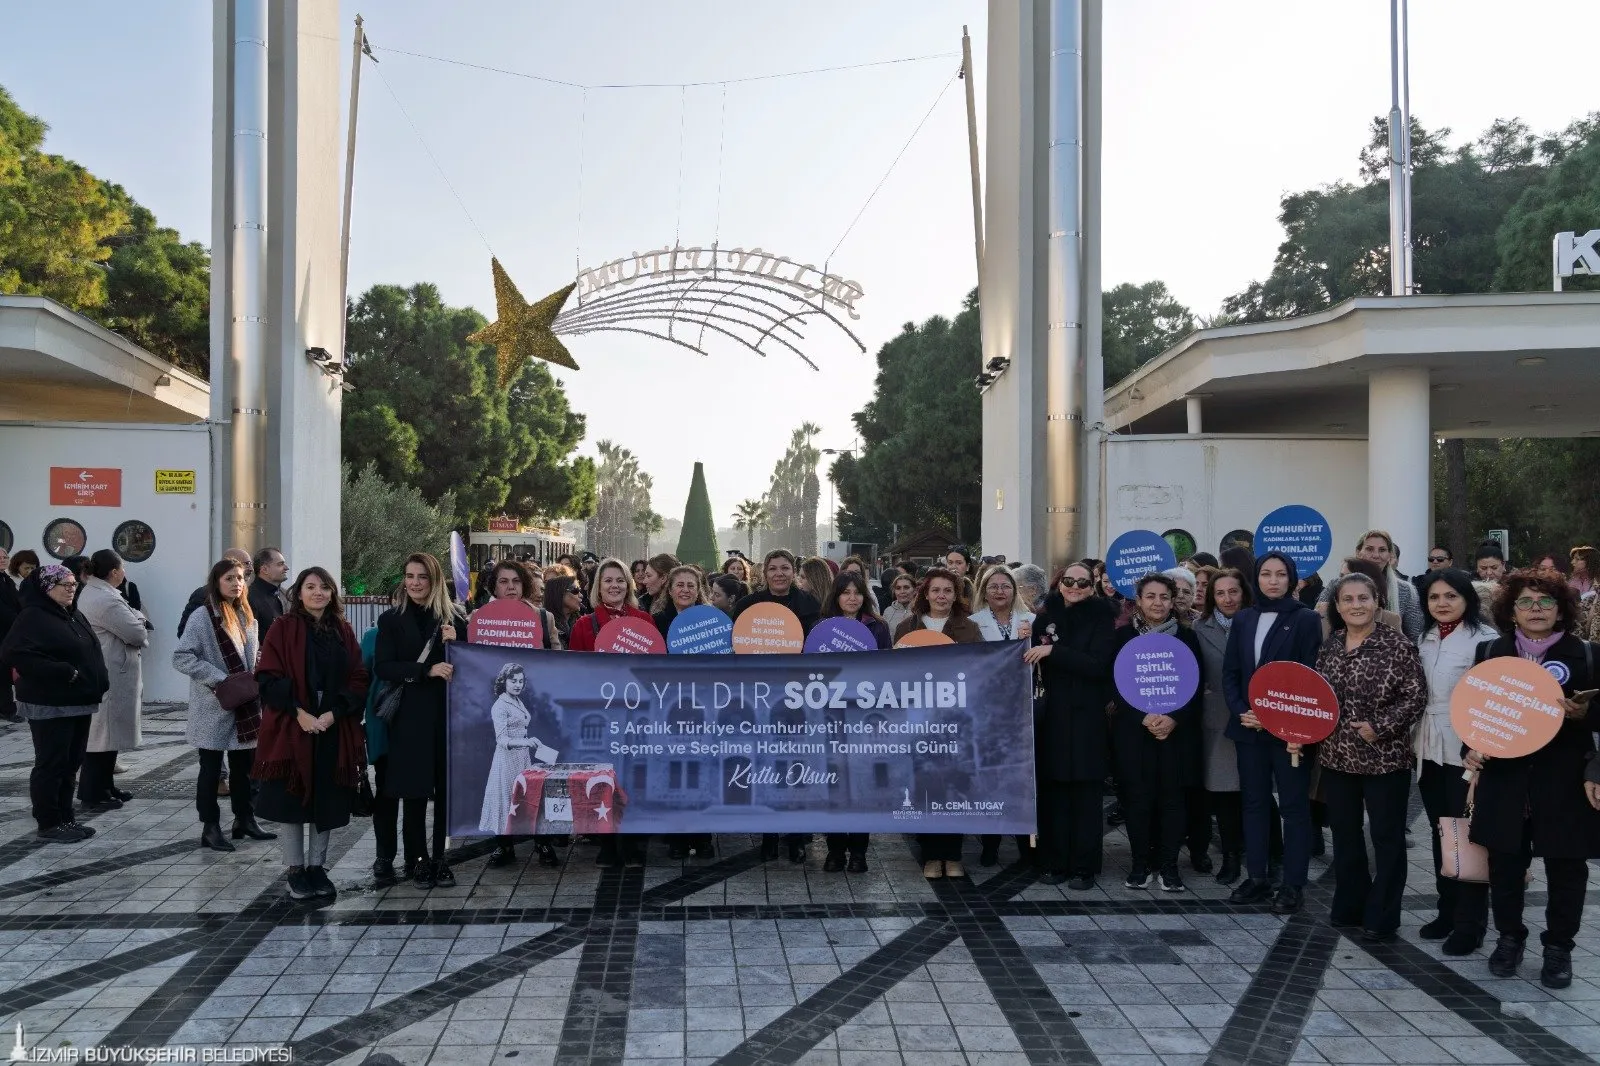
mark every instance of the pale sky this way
{"type": "Point", "coordinates": [1212, 111]}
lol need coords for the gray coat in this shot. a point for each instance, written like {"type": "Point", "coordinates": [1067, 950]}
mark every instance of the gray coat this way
{"type": "Point", "coordinates": [211, 726]}
{"type": "Point", "coordinates": [1221, 763]}
{"type": "Point", "coordinates": [123, 638]}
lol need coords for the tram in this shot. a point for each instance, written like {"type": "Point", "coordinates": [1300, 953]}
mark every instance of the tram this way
{"type": "Point", "coordinates": [541, 545]}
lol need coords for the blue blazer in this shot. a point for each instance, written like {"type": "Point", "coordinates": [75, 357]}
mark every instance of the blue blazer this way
{"type": "Point", "coordinates": [1296, 637]}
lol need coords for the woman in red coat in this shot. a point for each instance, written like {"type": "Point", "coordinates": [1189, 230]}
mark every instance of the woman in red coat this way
{"type": "Point", "coordinates": [613, 596]}
{"type": "Point", "coordinates": [311, 749]}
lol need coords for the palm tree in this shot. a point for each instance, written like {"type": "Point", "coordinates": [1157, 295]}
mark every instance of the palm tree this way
{"type": "Point", "coordinates": [750, 516]}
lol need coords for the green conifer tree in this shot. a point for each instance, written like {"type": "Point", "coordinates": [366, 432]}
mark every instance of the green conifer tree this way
{"type": "Point", "coordinates": [697, 543]}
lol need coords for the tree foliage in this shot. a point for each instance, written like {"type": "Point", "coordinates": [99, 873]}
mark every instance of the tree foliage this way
{"type": "Point", "coordinates": [623, 520]}
{"type": "Point", "coordinates": [750, 518]}
{"type": "Point", "coordinates": [88, 245]}
{"type": "Point", "coordinates": [1138, 323]}
{"type": "Point", "coordinates": [380, 523]}
{"type": "Point", "coordinates": [426, 411]}
{"type": "Point", "coordinates": [794, 493]}
{"type": "Point", "coordinates": [922, 461]}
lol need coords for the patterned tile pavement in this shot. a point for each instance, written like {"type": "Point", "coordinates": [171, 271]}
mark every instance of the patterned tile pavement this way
{"type": "Point", "coordinates": [139, 937]}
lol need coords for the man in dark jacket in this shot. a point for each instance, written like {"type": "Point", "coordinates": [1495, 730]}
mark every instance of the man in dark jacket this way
{"type": "Point", "coordinates": [266, 596]}
{"type": "Point", "coordinates": [1279, 628]}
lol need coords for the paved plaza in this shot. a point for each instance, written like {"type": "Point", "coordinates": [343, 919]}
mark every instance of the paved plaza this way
{"type": "Point", "coordinates": [139, 937]}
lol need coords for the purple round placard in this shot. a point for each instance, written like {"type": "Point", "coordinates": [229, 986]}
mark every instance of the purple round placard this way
{"type": "Point", "coordinates": [1157, 673]}
{"type": "Point", "coordinates": [841, 634]}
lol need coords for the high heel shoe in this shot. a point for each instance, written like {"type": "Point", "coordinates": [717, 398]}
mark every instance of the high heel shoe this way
{"type": "Point", "coordinates": [249, 827]}
{"type": "Point", "coordinates": [211, 837]}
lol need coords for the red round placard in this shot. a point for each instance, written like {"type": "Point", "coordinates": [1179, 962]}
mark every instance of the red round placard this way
{"type": "Point", "coordinates": [1294, 702]}
{"type": "Point", "coordinates": [508, 623]}
{"type": "Point", "coordinates": [630, 636]}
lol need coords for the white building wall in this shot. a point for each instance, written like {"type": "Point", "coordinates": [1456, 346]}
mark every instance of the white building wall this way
{"type": "Point", "coordinates": [1210, 485]}
{"type": "Point", "coordinates": [182, 555]}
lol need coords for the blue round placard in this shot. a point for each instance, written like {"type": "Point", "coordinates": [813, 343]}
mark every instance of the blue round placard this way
{"type": "Point", "coordinates": [1298, 531]}
{"type": "Point", "coordinates": [701, 630]}
{"type": "Point", "coordinates": [841, 634]}
{"type": "Point", "coordinates": [1135, 554]}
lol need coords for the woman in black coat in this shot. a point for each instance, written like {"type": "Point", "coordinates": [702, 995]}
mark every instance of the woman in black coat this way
{"type": "Point", "coordinates": [1073, 638]}
{"type": "Point", "coordinates": [410, 653]}
{"type": "Point", "coordinates": [1158, 755]}
{"type": "Point", "coordinates": [852, 598]}
{"type": "Point", "coordinates": [1536, 805]}
{"type": "Point", "coordinates": [61, 676]}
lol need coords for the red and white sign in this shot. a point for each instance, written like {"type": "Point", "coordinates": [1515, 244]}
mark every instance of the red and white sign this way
{"type": "Point", "coordinates": [503, 525]}
{"type": "Point", "coordinates": [85, 486]}
{"type": "Point", "coordinates": [1507, 707]}
{"type": "Point", "coordinates": [630, 636]}
{"type": "Point", "coordinates": [1293, 702]}
{"type": "Point", "coordinates": [507, 623]}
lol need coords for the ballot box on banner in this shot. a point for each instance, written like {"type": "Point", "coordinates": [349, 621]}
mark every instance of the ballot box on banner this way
{"type": "Point", "coordinates": [566, 798]}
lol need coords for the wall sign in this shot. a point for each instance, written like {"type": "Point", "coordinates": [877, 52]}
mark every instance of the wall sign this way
{"type": "Point", "coordinates": [85, 486]}
{"type": "Point", "coordinates": [503, 525]}
{"type": "Point", "coordinates": [174, 482]}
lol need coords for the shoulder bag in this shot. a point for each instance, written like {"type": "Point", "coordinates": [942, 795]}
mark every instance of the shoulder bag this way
{"type": "Point", "coordinates": [389, 703]}
{"type": "Point", "coordinates": [1461, 859]}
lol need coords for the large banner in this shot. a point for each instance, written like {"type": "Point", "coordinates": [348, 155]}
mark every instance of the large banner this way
{"type": "Point", "coordinates": [925, 740]}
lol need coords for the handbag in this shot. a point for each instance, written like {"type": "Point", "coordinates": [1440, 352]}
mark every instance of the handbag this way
{"type": "Point", "coordinates": [361, 803]}
{"type": "Point", "coordinates": [236, 690]}
{"type": "Point", "coordinates": [1459, 858]}
{"type": "Point", "coordinates": [389, 703]}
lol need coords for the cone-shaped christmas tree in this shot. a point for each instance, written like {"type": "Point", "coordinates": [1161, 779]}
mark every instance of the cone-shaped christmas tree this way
{"type": "Point", "coordinates": [697, 543]}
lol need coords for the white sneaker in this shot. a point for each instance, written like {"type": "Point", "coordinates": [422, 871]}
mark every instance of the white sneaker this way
{"type": "Point", "coordinates": [933, 870]}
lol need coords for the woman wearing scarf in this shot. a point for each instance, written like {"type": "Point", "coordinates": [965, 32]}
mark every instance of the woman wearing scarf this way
{"type": "Point", "coordinates": [311, 750]}
{"type": "Point", "coordinates": [1535, 805]}
{"type": "Point", "coordinates": [1158, 755]}
{"type": "Point", "coordinates": [61, 676]}
{"type": "Point", "coordinates": [1227, 594]}
{"type": "Point", "coordinates": [217, 643]}
{"type": "Point", "coordinates": [1366, 761]}
{"type": "Point", "coordinates": [1279, 628]}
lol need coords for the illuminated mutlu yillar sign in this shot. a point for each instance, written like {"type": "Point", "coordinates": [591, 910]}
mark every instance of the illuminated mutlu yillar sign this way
{"type": "Point", "coordinates": [676, 262]}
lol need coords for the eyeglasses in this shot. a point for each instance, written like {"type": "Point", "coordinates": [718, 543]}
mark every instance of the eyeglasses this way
{"type": "Point", "coordinates": [1438, 558]}
{"type": "Point", "coordinates": [1077, 583]}
{"type": "Point", "coordinates": [1528, 603]}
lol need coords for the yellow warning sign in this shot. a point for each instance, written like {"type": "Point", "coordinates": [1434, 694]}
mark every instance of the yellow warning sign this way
{"type": "Point", "coordinates": [175, 482]}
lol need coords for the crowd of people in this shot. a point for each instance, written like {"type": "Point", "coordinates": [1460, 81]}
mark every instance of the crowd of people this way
{"type": "Point", "coordinates": [292, 706]}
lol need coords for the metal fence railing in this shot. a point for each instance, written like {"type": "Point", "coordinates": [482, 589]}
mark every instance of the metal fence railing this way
{"type": "Point", "coordinates": [362, 612]}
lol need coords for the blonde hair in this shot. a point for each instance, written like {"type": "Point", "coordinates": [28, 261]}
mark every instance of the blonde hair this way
{"type": "Point", "coordinates": [818, 578]}
{"type": "Point", "coordinates": [627, 576]}
{"type": "Point", "coordinates": [438, 600]}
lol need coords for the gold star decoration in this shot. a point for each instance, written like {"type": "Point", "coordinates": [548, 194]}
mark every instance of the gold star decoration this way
{"type": "Point", "coordinates": [522, 330]}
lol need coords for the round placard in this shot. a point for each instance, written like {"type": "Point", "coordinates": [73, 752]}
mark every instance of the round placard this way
{"type": "Point", "coordinates": [1294, 702]}
{"type": "Point", "coordinates": [700, 630]}
{"type": "Point", "coordinates": [1299, 532]}
{"type": "Point", "coordinates": [509, 623]}
{"type": "Point", "coordinates": [630, 636]}
{"type": "Point", "coordinates": [1134, 554]}
{"type": "Point", "coordinates": [1506, 707]}
{"type": "Point", "coordinates": [1157, 673]}
{"type": "Point", "coordinates": [923, 638]}
{"type": "Point", "coordinates": [841, 634]}
{"type": "Point", "coordinates": [768, 629]}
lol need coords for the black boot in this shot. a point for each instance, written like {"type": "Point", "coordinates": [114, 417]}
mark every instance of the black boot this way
{"type": "Point", "coordinates": [1231, 868]}
{"type": "Point", "coordinates": [1557, 969]}
{"type": "Point", "coordinates": [211, 837]}
{"type": "Point", "coordinates": [1507, 955]}
{"type": "Point", "coordinates": [769, 847]}
{"type": "Point", "coordinates": [248, 827]}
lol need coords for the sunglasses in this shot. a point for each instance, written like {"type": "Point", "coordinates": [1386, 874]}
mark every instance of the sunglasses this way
{"type": "Point", "coordinates": [1077, 583]}
{"type": "Point", "coordinates": [1528, 603]}
{"type": "Point", "coordinates": [1438, 558]}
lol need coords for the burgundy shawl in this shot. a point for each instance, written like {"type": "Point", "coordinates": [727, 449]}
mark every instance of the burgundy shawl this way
{"type": "Point", "coordinates": [283, 752]}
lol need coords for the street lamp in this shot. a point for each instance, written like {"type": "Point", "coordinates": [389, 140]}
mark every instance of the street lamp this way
{"type": "Point", "coordinates": [833, 506]}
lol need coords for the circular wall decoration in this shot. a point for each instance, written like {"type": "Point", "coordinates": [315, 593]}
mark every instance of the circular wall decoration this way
{"type": "Point", "coordinates": [64, 538]}
{"type": "Point", "coordinates": [5, 536]}
{"type": "Point", "coordinates": [134, 540]}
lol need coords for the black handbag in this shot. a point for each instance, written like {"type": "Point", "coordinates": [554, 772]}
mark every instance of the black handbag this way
{"type": "Point", "coordinates": [361, 803]}
{"type": "Point", "coordinates": [388, 704]}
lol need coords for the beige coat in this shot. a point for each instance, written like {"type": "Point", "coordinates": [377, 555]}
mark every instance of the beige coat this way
{"type": "Point", "coordinates": [123, 638]}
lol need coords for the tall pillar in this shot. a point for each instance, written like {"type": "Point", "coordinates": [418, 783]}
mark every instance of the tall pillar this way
{"type": "Point", "coordinates": [1399, 447]}
{"type": "Point", "coordinates": [1192, 409]}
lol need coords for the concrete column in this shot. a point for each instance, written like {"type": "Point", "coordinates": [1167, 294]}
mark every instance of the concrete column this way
{"type": "Point", "coordinates": [1192, 409]}
{"type": "Point", "coordinates": [1399, 443]}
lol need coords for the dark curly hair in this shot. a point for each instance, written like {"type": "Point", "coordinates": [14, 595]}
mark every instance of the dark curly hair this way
{"type": "Point", "coordinates": [958, 607]}
{"type": "Point", "coordinates": [1519, 581]}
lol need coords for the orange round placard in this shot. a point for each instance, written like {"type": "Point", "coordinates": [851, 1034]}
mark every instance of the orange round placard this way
{"type": "Point", "coordinates": [923, 638]}
{"type": "Point", "coordinates": [768, 629]}
{"type": "Point", "coordinates": [1507, 707]}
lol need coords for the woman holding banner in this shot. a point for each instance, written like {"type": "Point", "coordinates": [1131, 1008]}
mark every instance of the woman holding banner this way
{"type": "Point", "coordinates": [1157, 755]}
{"type": "Point", "coordinates": [1536, 804]}
{"type": "Point", "coordinates": [410, 653]}
{"type": "Point", "coordinates": [1073, 636]}
{"type": "Point", "coordinates": [852, 598]}
{"type": "Point", "coordinates": [1450, 637]}
{"type": "Point", "coordinates": [1001, 619]}
{"type": "Point", "coordinates": [614, 598]}
{"type": "Point", "coordinates": [1366, 761]}
{"type": "Point", "coordinates": [941, 607]}
{"type": "Point", "coordinates": [1278, 628]}
{"type": "Point", "coordinates": [681, 591]}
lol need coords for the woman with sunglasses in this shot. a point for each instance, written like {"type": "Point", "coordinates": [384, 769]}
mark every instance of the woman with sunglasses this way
{"type": "Point", "coordinates": [1536, 804]}
{"type": "Point", "coordinates": [563, 602]}
{"type": "Point", "coordinates": [1072, 646]}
